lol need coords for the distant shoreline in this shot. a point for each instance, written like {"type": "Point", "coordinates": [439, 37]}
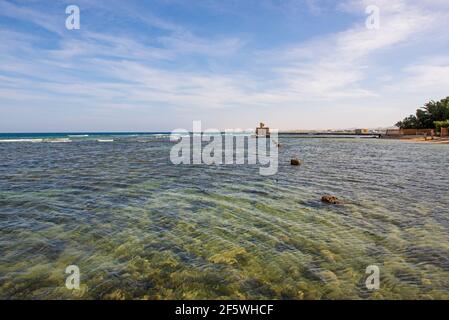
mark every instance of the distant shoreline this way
{"type": "Point", "coordinates": [420, 139]}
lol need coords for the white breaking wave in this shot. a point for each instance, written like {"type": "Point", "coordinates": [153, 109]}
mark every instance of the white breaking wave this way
{"type": "Point", "coordinates": [22, 140]}
{"type": "Point", "coordinates": [57, 140]}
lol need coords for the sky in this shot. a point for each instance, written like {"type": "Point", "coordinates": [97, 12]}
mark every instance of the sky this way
{"type": "Point", "coordinates": [158, 65]}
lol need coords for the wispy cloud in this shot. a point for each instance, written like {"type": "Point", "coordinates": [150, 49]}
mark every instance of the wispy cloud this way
{"type": "Point", "coordinates": [53, 23]}
{"type": "Point", "coordinates": [171, 68]}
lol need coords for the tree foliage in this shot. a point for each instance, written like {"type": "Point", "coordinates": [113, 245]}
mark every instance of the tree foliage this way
{"type": "Point", "coordinates": [441, 124]}
{"type": "Point", "coordinates": [425, 118]}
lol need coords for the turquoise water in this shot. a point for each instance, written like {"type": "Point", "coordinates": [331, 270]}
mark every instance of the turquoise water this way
{"type": "Point", "coordinates": [139, 227]}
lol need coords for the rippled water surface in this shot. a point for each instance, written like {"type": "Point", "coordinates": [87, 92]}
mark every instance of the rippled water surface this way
{"type": "Point", "coordinates": [141, 228]}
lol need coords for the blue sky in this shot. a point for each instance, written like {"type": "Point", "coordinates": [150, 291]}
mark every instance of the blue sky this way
{"type": "Point", "coordinates": [158, 65]}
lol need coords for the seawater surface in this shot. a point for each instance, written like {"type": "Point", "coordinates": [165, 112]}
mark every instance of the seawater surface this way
{"type": "Point", "coordinates": [140, 227]}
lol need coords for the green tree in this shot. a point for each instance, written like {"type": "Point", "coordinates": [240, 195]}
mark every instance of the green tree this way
{"type": "Point", "coordinates": [426, 116]}
{"type": "Point", "coordinates": [411, 122]}
{"type": "Point", "coordinates": [441, 124]}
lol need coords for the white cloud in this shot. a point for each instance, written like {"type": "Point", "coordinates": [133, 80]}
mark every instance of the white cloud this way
{"type": "Point", "coordinates": [42, 19]}
{"type": "Point", "coordinates": [339, 74]}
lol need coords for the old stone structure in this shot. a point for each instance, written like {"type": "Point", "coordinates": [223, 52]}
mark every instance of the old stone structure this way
{"type": "Point", "coordinates": [262, 131]}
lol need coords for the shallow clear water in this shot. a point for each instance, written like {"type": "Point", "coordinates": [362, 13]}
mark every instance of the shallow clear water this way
{"type": "Point", "coordinates": [141, 228]}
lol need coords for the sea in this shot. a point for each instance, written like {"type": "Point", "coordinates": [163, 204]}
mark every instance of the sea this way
{"type": "Point", "coordinates": [139, 227]}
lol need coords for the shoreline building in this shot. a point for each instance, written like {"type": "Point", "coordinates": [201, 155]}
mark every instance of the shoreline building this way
{"type": "Point", "coordinates": [262, 131]}
{"type": "Point", "coordinates": [361, 131]}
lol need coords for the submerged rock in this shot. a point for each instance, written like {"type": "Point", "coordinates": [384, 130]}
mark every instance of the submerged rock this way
{"type": "Point", "coordinates": [328, 276]}
{"type": "Point", "coordinates": [328, 256]}
{"type": "Point", "coordinates": [331, 200]}
{"type": "Point", "coordinates": [295, 162]}
{"type": "Point", "coordinates": [229, 257]}
{"type": "Point", "coordinates": [115, 295]}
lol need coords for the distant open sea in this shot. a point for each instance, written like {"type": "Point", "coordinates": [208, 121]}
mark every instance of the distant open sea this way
{"type": "Point", "coordinates": [76, 135]}
{"type": "Point", "coordinates": [140, 227]}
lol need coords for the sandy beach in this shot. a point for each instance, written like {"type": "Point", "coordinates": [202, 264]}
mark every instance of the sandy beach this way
{"type": "Point", "coordinates": [422, 139]}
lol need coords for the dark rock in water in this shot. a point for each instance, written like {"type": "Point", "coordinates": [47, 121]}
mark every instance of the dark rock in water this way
{"type": "Point", "coordinates": [295, 162]}
{"type": "Point", "coordinates": [331, 200]}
